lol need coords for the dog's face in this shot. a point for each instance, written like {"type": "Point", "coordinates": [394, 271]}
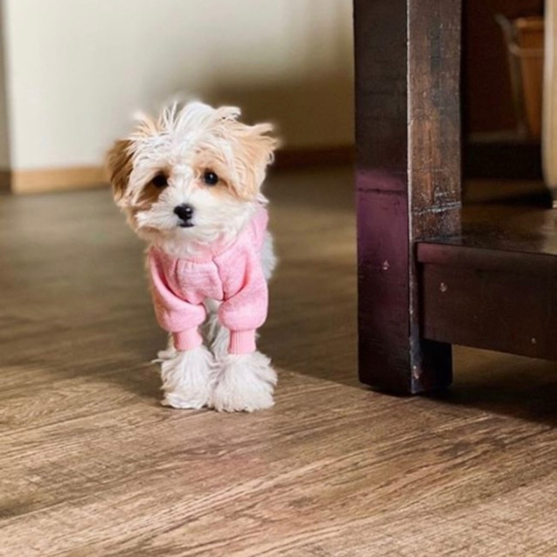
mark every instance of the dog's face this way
{"type": "Point", "coordinates": [193, 175]}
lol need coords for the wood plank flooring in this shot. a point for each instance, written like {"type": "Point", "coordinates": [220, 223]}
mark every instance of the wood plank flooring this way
{"type": "Point", "coordinates": [92, 465]}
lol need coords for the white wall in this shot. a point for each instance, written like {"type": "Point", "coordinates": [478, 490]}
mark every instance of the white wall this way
{"type": "Point", "coordinates": [77, 69]}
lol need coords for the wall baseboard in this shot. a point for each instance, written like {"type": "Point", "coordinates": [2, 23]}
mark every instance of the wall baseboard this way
{"type": "Point", "coordinates": [56, 179]}
{"type": "Point", "coordinates": [85, 177]}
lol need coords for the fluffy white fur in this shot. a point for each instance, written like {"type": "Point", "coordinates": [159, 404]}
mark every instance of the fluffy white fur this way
{"type": "Point", "coordinates": [181, 144]}
{"type": "Point", "coordinates": [244, 383]}
{"type": "Point", "coordinates": [188, 378]}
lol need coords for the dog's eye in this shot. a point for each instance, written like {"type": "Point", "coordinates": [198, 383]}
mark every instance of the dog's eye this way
{"type": "Point", "coordinates": [160, 181]}
{"type": "Point", "coordinates": [210, 178]}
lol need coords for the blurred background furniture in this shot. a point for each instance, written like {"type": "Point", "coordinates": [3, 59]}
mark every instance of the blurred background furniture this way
{"type": "Point", "coordinates": [549, 141]}
{"type": "Point", "coordinates": [525, 43]}
{"type": "Point", "coordinates": [502, 67]}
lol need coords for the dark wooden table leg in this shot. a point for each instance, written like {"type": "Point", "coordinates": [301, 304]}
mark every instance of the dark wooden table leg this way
{"type": "Point", "coordinates": [408, 178]}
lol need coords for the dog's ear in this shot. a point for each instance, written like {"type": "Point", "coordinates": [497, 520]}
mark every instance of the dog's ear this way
{"type": "Point", "coordinates": [254, 152]}
{"type": "Point", "coordinates": [119, 166]}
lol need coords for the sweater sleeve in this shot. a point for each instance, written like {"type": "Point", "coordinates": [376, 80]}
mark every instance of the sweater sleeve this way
{"type": "Point", "coordinates": [245, 307]}
{"type": "Point", "coordinates": [174, 315]}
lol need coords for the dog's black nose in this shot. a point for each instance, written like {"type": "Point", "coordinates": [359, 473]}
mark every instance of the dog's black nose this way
{"type": "Point", "coordinates": [185, 213]}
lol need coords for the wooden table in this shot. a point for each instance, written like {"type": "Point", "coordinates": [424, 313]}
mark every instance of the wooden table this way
{"type": "Point", "coordinates": [425, 282]}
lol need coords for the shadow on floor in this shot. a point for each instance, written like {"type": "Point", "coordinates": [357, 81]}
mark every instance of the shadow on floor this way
{"type": "Point", "coordinates": [522, 388]}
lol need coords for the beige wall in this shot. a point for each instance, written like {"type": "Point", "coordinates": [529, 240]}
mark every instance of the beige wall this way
{"type": "Point", "coordinates": [4, 124]}
{"type": "Point", "coordinates": [78, 69]}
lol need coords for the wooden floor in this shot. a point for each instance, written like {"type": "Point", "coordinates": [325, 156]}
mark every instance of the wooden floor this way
{"type": "Point", "coordinates": [92, 465]}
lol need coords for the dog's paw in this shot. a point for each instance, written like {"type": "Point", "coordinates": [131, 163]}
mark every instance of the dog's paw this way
{"type": "Point", "coordinates": [244, 383]}
{"type": "Point", "coordinates": [188, 378]}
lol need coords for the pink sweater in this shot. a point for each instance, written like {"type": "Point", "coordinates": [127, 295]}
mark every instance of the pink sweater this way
{"type": "Point", "coordinates": [232, 275]}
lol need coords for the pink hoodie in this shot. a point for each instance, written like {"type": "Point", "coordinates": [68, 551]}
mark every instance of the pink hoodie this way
{"type": "Point", "coordinates": [233, 275]}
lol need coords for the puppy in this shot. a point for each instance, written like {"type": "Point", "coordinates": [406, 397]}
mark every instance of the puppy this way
{"type": "Point", "coordinates": [190, 182]}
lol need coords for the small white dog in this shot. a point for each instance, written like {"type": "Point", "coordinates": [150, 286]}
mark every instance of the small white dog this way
{"type": "Point", "coordinates": [190, 185]}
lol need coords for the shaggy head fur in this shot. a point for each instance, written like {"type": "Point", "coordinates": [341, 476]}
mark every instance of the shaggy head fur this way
{"type": "Point", "coordinates": [196, 157]}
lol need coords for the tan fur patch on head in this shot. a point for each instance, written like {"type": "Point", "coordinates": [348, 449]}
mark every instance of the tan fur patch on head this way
{"type": "Point", "coordinates": [253, 152]}
{"type": "Point", "coordinates": [119, 165]}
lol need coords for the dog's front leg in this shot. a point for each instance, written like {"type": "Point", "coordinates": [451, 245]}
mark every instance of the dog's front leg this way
{"type": "Point", "coordinates": [243, 382]}
{"type": "Point", "coordinates": [216, 336]}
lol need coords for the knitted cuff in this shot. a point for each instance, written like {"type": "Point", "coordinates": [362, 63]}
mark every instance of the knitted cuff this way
{"type": "Point", "coordinates": [187, 340]}
{"type": "Point", "coordinates": [242, 342]}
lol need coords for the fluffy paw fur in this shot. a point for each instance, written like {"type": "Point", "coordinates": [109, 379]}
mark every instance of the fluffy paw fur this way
{"type": "Point", "coordinates": [188, 378]}
{"type": "Point", "coordinates": [243, 383]}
